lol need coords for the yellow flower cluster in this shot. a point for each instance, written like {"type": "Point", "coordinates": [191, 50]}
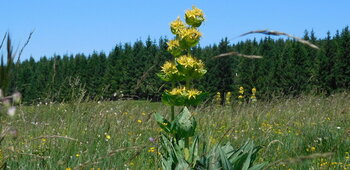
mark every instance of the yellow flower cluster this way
{"type": "Point", "coordinates": [176, 26]}
{"type": "Point", "coordinates": [218, 98]}
{"type": "Point", "coordinates": [152, 149]}
{"type": "Point", "coordinates": [194, 17]}
{"type": "Point", "coordinates": [174, 47]}
{"type": "Point", "coordinates": [187, 35]}
{"type": "Point", "coordinates": [190, 37]}
{"type": "Point", "coordinates": [169, 68]}
{"type": "Point", "coordinates": [253, 97]}
{"type": "Point", "coordinates": [189, 93]}
{"type": "Point", "coordinates": [228, 98]}
{"type": "Point", "coordinates": [190, 62]}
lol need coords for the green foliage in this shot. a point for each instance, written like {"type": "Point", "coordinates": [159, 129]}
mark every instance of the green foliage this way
{"type": "Point", "coordinates": [182, 126]}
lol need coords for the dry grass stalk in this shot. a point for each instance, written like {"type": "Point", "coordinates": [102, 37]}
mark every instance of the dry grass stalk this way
{"type": "Point", "coordinates": [278, 33]}
{"type": "Point", "coordinates": [238, 54]}
{"type": "Point", "coordinates": [55, 136]}
{"type": "Point", "coordinates": [266, 32]}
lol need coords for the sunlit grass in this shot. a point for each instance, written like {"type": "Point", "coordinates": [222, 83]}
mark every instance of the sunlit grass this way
{"type": "Point", "coordinates": [89, 134]}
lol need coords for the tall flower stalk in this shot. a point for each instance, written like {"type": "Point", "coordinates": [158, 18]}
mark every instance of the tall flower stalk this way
{"type": "Point", "coordinates": [176, 148]}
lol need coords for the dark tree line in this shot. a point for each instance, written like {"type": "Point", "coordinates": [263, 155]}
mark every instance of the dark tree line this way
{"type": "Point", "coordinates": [129, 70]}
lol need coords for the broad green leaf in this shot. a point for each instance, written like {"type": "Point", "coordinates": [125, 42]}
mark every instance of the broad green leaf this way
{"type": "Point", "coordinates": [185, 124]}
{"type": "Point", "coordinates": [163, 123]}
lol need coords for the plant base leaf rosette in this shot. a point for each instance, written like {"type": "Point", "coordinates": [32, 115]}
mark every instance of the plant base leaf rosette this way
{"type": "Point", "coordinates": [183, 99]}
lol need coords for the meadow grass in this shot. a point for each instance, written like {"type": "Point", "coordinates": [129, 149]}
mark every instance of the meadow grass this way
{"type": "Point", "coordinates": [115, 134]}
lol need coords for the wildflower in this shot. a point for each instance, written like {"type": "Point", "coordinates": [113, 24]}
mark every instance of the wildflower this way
{"type": "Point", "coordinates": [139, 121]}
{"type": "Point", "coordinates": [194, 17]}
{"type": "Point", "coordinates": [254, 90]}
{"type": "Point", "coordinates": [43, 140]}
{"type": "Point", "coordinates": [193, 93]}
{"type": "Point", "coordinates": [218, 98]}
{"type": "Point", "coordinates": [192, 66]}
{"type": "Point", "coordinates": [77, 155]}
{"type": "Point", "coordinates": [189, 37]}
{"type": "Point", "coordinates": [240, 97]}
{"type": "Point", "coordinates": [108, 137]}
{"type": "Point", "coordinates": [174, 47]}
{"type": "Point", "coordinates": [177, 91]}
{"type": "Point", "coordinates": [176, 26]}
{"type": "Point", "coordinates": [228, 97]}
{"type": "Point", "coordinates": [152, 149]}
{"type": "Point", "coordinates": [11, 111]}
{"type": "Point", "coordinates": [241, 90]}
{"type": "Point", "coordinates": [68, 168]}
{"type": "Point", "coordinates": [169, 68]}
{"type": "Point", "coordinates": [143, 114]}
{"type": "Point", "coordinates": [151, 139]}
{"type": "Point", "coordinates": [16, 97]}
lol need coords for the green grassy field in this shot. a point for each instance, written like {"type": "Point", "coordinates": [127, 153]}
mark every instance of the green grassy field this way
{"type": "Point", "coordinates": [116, 134]}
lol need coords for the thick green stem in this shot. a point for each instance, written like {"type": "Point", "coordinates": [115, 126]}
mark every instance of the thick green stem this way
{"type": "Point", "coordinates": [187, 142]}
{"type": "Point", "coordinates": [188, 83]}
{"type": "Point", "coordinates": [172, 107]}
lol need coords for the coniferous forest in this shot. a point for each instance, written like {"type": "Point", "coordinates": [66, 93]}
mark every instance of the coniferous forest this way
{"type": "Point", "coordinates": [129, 71]}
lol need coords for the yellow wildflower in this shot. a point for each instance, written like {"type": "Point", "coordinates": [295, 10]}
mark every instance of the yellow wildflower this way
{"type": "Point", "coordinates": [152, 149]}
{"type": "Point", "coordinates": [139, 121]}
{"type": "Point", "coordinates": [108, 136]}
{"type": "Point", "coordinates": [194, 17]}
{"type": "Point", "coordinates": [169, 68]}
{"type": "Point", "coordinates": [174, 47]}
{"type": "Point", "coordinates": [193, 93]}
{"type": "Point", "coordinates": [189, 37]}
{"type": "Point", "coordinates": [77, 155]}
{"type": "Point", "coordinates": [241, 90]}
{"type": "Point", "coordinates": [254, 90]}
{"type": "Point", "coordinates": [240, 97]}
{"type": "Point", "coordinates": [178, 91]}
{"type": "Point", "coordinates": [176, 26]}
{"type": "Point", "coordinates": [190, 62]}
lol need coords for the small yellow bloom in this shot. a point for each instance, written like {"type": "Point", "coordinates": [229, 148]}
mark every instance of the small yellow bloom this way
{"type": "Point", "coordinates": [194, 17]}
{"type": "Point", "coordinates": [240, 97]}
{"type": "Point", "coordinates": [254, 90]}
{"type": "Point", "coordinates": [174, 47]}
{"type": "Point", "coordinates": [178, 91]}
{"type": "Point", "coordinates": [108, 136]}
{"type": "Point", "coordinates": [77, 155]}
{"type": "Point", "coordinates": [169, 68]}
{"type": "Point", "coordinates": [176, 26]}
{"type": "Point", "coordinates": [143, 114]}
{"type": "Point", "coordinates": [139, 121]}
{"type": "Point", "coordinates": [165, 124]}
{"type": "Point", "coordinates": [193, 93]}
{"type": "Point", "coordinates": [68, 168]}
{"type": "Point", "coordinates": [189, 37]}
{"type": "Point", "coordinates": [152, 149]}
{"type": "Point", "coordinates": [43, 140]}
{"type": "Point", "coordinates": [313, 148]}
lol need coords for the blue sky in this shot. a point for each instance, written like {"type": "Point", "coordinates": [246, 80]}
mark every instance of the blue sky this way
{"type": "Point", "coordinates": [82, 26]}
